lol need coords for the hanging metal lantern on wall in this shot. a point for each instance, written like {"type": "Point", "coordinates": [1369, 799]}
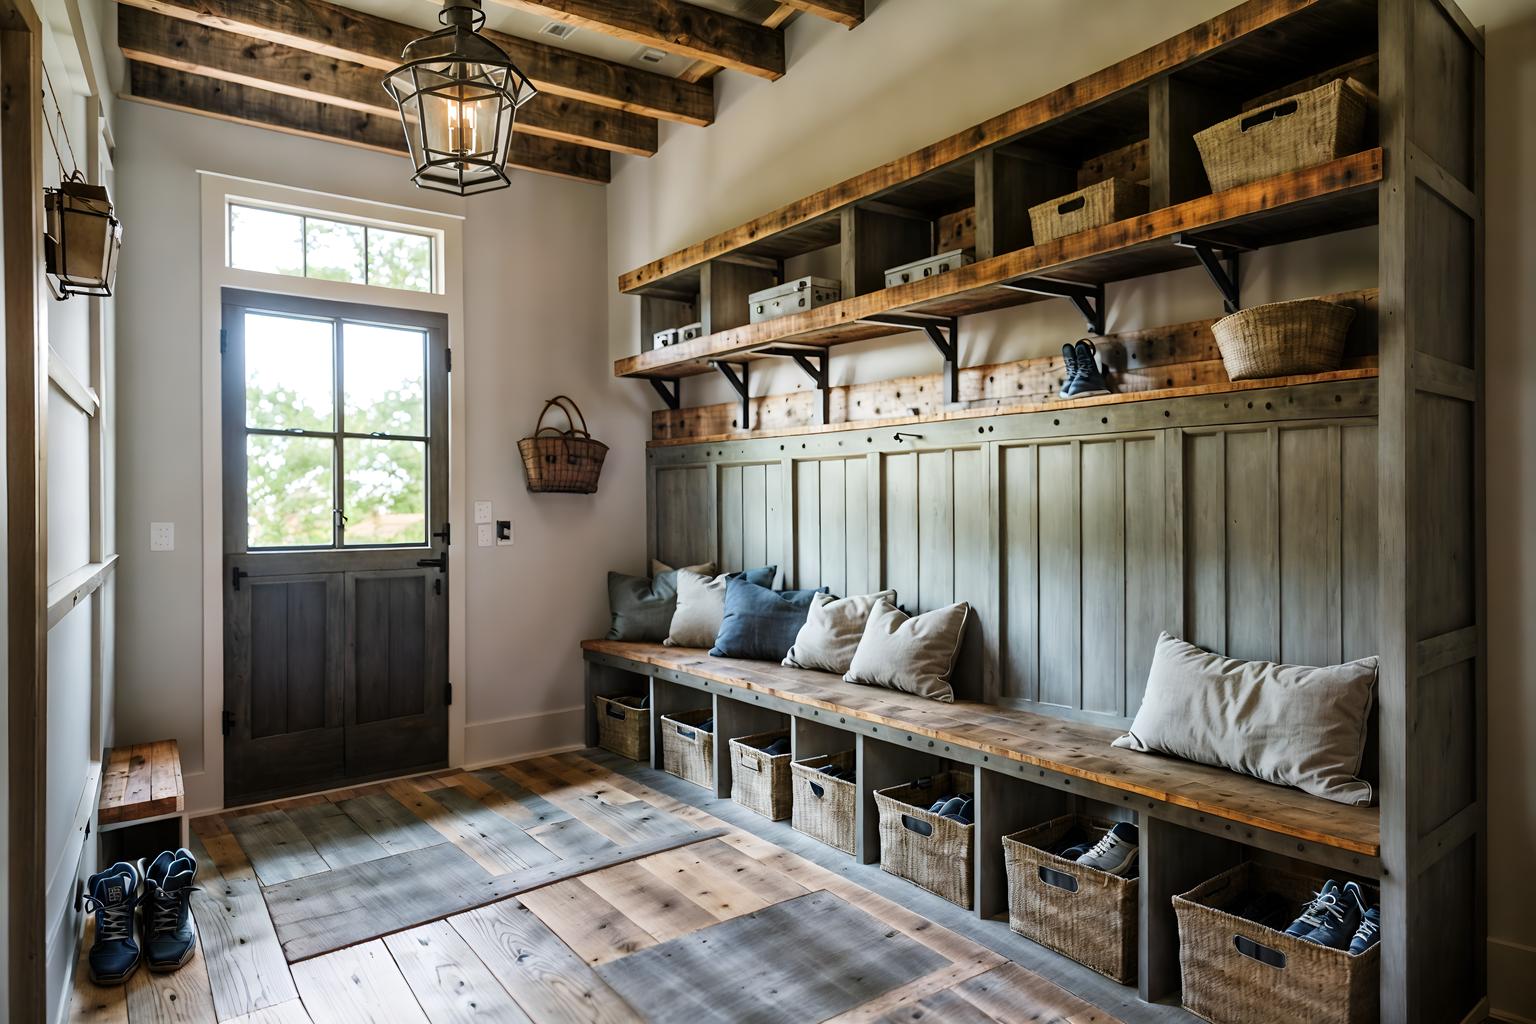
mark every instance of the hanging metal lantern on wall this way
{"type": "Point", "coordinates": [81, 238]}
{"type": "Point", "coordinates": [458, 95]}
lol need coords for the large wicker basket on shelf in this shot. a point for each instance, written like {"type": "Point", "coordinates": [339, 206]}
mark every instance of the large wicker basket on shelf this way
{"type": "Point", "coordinates": [562, 461]}
{"type": "Point", "coordinates": [1238, 972]}
{"type": "Point", "coordinates": [760, 780]}
{"type": "Point", "coordinates": [1299, 131]}
{"type": "Point", "coordinates": [825, 808]}
{"type": "Point", "coordinates": [686, 750]}
{"type": "Point", "coordinates": [1089, 915]}
{"type": "Point", "coordinates": [922, 847]}
{"type": "Point", "coordinates": [1101, 203]}
{"type": "Point", "coordinates": [1280, 339]}
{"type": "Point", "coordinates": [624, 726]}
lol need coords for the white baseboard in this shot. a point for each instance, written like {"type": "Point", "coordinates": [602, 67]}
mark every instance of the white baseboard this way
{"type": "Point", "coordinates": [1511, 996]}
{"type": "Point", "coordinates": [521, 736]}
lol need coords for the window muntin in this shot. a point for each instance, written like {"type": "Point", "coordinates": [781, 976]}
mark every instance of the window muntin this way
{"type": "Point", "coordinates": [295, 244]}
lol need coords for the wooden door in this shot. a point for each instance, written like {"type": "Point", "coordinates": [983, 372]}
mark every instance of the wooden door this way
{"type": "Point", "coordinates": [335, 508]}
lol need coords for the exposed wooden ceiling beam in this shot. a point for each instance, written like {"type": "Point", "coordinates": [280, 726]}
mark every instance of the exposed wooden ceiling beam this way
{"type": "Point", "coordinates": [231, 101]}
{"type": "Point", "coordinates": [186, 46]}
{"type": "Point", "coordinates": [319, 26]}
{"type": "Point", "coordinates": [674, 26]}
{"type": "Point", "coordinates": [849, 13]}
{"type": "Point", "coordinates": [770, 15]}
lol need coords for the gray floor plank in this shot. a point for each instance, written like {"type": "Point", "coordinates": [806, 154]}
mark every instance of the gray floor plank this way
{"type": "Point", "coordinates": [246, 968]}
{"type": "Point", "coordinates": [277, 849]}
{"type": "Point", "coordinates": [804, 959]}
{"type": "Point", "coordinates": [390, 823]}
{"type": "Point", "coordinates": [572, 838]}
{"type": "Point", "coordinates": [542, 809]}
{"type": "Point", "coordinates": [450, 982]}
{"type": "Point", "coordinates": [336, 837]}
{"type": "Point", "coordinates": [503, 837]}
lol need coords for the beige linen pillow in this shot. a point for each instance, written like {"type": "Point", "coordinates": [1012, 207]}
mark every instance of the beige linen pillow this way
{"type": "Point", "coordinates": [701, 605]}
{"type": "Point", "coordinates": [1293, 725]}
{"type": "Point", "coordinates": [832, 630]}
{"type": "Point", "coordinates": [911, 653]}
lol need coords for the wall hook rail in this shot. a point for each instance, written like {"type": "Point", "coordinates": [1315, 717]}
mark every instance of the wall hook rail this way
{"type": "Point", "coordinates": [1220, 262]}
{"type": "Point", "coordinates": [1088, 298]}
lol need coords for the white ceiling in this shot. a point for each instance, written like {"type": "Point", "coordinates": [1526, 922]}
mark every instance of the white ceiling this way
{"type": "Point", "coordinates": [503, 18]}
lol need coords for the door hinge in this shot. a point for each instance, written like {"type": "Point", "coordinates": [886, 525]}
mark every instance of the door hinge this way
{"type": "Point", "coordinates": [447, 693]}
{"type": "Point", "coordinates": [229, 722]}
{"type": "Point", "coordinates": [236, 574]}
{"type": "Point", "coordinates": [448, 359]}
{"type": "Point", "coordinates": [223, 341]}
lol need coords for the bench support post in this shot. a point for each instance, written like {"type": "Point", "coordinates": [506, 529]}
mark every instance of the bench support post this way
{"type": "Point", "coordinates": [881, 765]}
{"type": "Point", "coordinates": [735, 718]}
{"type": "Point", "coordinates": [1173, 860]}
{"type": "Point", "coordinates": [1004, 806]}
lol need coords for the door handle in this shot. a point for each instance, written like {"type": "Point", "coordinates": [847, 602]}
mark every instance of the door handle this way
{"type": "Point", "coordinates": [440, 563]}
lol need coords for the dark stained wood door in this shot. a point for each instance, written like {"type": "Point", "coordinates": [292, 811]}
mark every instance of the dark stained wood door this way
{"type": "Point", "coordinates": [335, 509]}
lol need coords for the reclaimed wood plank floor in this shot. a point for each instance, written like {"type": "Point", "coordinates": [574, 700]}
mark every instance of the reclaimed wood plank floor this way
{"type": "Point", "coordinates": [605, 877]}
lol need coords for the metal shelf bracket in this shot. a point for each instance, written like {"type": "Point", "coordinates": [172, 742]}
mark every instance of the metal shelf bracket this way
{"type": "Point", "coordinates": [738, 384]}
{"type": "Point", "coordinates": [672, 395]}
{"type": "Point", "coordinates": [1220, 263]}
{"type": "Point", "coordinates": [1088, 298]}
{"type": "Point", "coordinates": [943, 331]}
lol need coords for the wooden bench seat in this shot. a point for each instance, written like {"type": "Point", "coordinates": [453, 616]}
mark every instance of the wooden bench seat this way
{"type": "Point", "coordinates": [1070, 748]}
{"type": "Point", "coordinates": [140, 782]}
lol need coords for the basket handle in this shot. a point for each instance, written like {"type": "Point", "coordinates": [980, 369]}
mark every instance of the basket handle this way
{"type": "Point", "coordinates": [616, 711]}
{"type": "Point", "coordinates": [912, 824]}
{"type": "Point", "coordinates": [687, 734]}
{"type": "Point", "coordinates": [747, 762]}
{"type": "Point", "coordinates": [1256, 951]}
{"type": "Point", "coordinates": [566, 405]}
{"type": "Point", "coordinates": [1273, 113]}
{"type": "Point", "coordinates": [817, 790]}
{"type": "Point", "coordinates": [1072, 205]}
{"type": "Point", "coordinates": [1058, 879]}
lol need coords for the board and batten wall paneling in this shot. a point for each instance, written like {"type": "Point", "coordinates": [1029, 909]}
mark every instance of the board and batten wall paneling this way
{"type": "Point", "coordinates": [1256, 540]}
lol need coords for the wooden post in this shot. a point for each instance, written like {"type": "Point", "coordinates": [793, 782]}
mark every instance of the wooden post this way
{"type": "Point", "coordinates": [1005, 805]}
{"type": "Point", "coordinates": [734, 718]}
{"type": "Point", "coordinates": [881, 765]}
{"type": "Point", "coordinates": [1173, 860]}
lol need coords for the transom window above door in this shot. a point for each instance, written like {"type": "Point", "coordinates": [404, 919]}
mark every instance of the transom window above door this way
{"type": "Point", "coordinates": [336, 429]}
{"type": "Point", "coordinates": [299, 244]}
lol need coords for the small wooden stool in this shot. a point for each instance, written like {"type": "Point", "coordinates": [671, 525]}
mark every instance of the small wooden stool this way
{"type": "Point", "coordinates": [142, 800]}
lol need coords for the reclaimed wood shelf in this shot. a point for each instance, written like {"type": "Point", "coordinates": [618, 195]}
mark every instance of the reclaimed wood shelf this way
{"type": "Point", "coordinates": [141, 782]}
{"type": "Point", "coordinates": [1321, 200]}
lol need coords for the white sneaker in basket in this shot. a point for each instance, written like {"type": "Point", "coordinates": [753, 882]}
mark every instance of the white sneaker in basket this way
{"type": "Point", "coordinates": [1115, 853]}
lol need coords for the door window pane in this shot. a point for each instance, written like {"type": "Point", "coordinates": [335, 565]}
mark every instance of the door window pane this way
{"type": "Point", "coordinates": [289, 373]}
{"type": "Point", "coordinates": [398, 259]}
{"type": "Point", "coordinates": [266, 240]}
{"type": "Point", "coordinates": [384, 380]}
{"type": "Point", "coordinates": [290, 491]}
{"type": "Point", "coordinates": [385, 491]}
{"type": "Point", "coordinates": [334, 251]}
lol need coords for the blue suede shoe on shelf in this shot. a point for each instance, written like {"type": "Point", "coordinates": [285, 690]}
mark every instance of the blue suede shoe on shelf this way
{"type": "Point", "coordinates": [170, 937]}
{"type": "Point", "coordinates": [1069, 361]}
{"type": "Point", "coordinates": [1338, 913]}
{"type": "Point", "coordinates": [1369, 932]}
{"type": "Point", "coordinates": [1087, 381]}
{"type": "Point", "coordinates": [112, 895]}
{"type": "Point", "coordinates": [1312, 914]}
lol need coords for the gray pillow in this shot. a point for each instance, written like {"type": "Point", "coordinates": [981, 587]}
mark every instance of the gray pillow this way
{"type": "Point", "coordinates": [1293, 725]}
{"type": "Point", "coordinates": [832, 630]}
{"type": "Point", "coordinates": [911, 653]}
{"type": "Point", "coordinates": [701, 605]}
{"type": "Point", "coordinates": [641, 608]}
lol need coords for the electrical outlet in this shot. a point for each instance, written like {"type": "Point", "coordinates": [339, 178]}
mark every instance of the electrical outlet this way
{"type": "Point", "coordinates": [483, 512]}
{"type": "Point", "coordinates": [162, 536]}
{"type": "Point", "coordinates": [503, 533]}
{"type": "Point", "coordinates": [487, 534]}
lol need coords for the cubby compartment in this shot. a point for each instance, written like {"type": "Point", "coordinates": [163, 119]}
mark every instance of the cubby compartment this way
{"type": "Point", "coordinates": [825, 805]}
{"type": "Point", "coordinates": [624, 724]}
{"type": "Point", "coordinates": [688, 746]}
{"type": "Point", "coordinates": [760, 779]}
{"type": "Point", "coordinates": [931, 850]}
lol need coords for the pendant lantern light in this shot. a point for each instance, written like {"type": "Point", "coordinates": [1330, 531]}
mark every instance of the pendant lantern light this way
{"type": "Point", "coordinates": [458, 95]}
{"type": "Point", "coordinates": [81, 238]}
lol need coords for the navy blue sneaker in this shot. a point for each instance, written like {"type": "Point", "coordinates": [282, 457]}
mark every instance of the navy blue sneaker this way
{"type": "Point", "coordinates": [112, 895]}
{"type": "Point", "coordinates": [1369, 932]}
{"type": "Point", "coordinates": [1339, 916]}
{"type": "Point", "coordinates": [170, 937]}
{"type": "Point", "coordinates": [1069, 362]}
{"type": "Point", "coordinates": [777, 747]}
{"type": "Point", "coordinates": [1312, 915]}
{"type": "Point", "coordinates": [1088, 382]}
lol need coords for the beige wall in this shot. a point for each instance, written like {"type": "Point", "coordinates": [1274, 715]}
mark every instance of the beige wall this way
{"type": "Point", "coordinates": [534, 326]}
{"type": "Point", "coordinates": [909, 76]}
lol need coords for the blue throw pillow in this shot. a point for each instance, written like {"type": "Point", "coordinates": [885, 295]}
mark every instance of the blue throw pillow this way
{"type": "Point", "coordinates": [760, 623]}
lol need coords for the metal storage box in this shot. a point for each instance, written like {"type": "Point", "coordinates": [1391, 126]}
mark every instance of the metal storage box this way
{"type": "Point", "coordinates": [792, 297]}
{"type": "Point", "coordinates": [688, 332]}
{"type": "Point", "coordinates": [919, 269]}
{"type": "Point", "coordinates": [661, 339]}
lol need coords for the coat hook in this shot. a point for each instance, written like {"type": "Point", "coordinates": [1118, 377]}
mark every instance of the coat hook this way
{"type": "Point", "coordinates": [900, 435]}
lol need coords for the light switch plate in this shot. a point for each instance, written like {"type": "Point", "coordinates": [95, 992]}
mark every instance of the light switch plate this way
{"type": "Point", "coordinates": [487, 534]}
{"type": "Point", "coordinates": [484, 512]}
{"type": "Point", "coordinates": [162, 536]}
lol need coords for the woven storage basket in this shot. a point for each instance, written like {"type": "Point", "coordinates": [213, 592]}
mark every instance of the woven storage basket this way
{"type": "Point", "coordinates": [760, 780]}
{"type": "Point", "coordinates": [562, 461]}
{"type": "Point", "coordinates": [922, 847]}
{"type": "Point", "coordinates": [1299, 131]}
{"type": "Point", "coordinates": [1087, 914]}
{"type": "Point", "coordinates": [623, 728]}
{"type": "Point", "coordinates": [1283, 338]}
{"type": "Point", "coordinates": [686, 751]}
{"type": "Point", "coordinates": [1102, 203]}
{"type": "Point", "coordinates": [1295, 980]}
{"type": "Point", "coordinates": [825, 808]}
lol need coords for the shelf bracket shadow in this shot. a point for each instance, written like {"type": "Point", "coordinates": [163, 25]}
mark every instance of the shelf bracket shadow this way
{"type": "Point", "coordinates": [1088, 298]}
{"type": "Point", "coordinates": [943, 331]}
{"type": "Point", "coordinates": [737, 375]}
{"type": "Point", "coordinates": [1220, 263]}
{"type": "Point", "coordinates": [672, 395]}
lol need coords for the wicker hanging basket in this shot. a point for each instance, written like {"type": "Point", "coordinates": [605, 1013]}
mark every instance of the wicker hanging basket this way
{"type": "Point", "coordinates": [562, 461]}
